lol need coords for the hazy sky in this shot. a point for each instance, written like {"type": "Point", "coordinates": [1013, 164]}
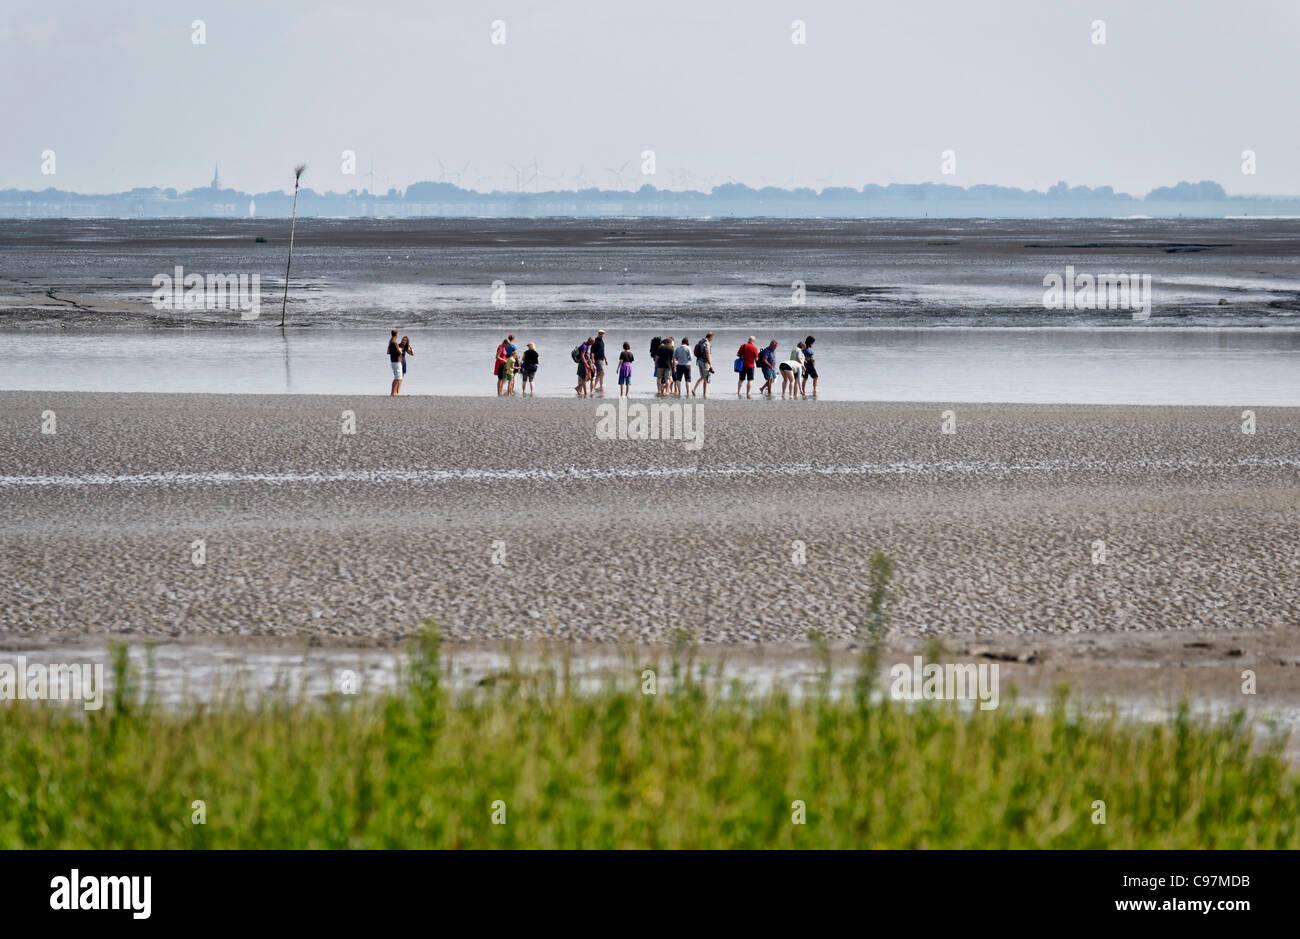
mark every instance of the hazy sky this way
{"type": "Point", "coordinates": [1017, 88]}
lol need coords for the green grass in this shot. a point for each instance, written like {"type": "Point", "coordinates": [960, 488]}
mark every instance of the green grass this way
{"type": "Point", "coordinates": [689, 768]}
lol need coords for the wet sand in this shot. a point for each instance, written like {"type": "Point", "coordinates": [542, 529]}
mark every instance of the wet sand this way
{"type": "Point", "coordinates": [719, 273]}
{"type": "Point", "coordinates": [511, 519]}
{"type": "Point", "coordinates": [527, 536]}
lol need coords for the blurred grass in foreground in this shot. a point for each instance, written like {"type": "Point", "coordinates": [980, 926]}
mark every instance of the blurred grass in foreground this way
{"type": "Point", "coordinates": [693, 768]}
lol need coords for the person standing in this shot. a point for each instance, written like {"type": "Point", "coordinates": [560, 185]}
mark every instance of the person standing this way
{"type": "Point", "coordinates": [499, 368]}
{"type": "Point", "coordinates": [600, 360]}
{"type": "Point", "coordinates": [531, 361]}
{"type": "Point", "coordinates": [682, 368]}
{"type": "Point", "coordinates": [654, 357]}
{"type": "Point", "coordinates": [583, 356]}
{"type": "Point", "coordinates": [655, 363]}
{"type": "Point", "coordinates": [625, 371]}
{"type": "Point", "coordinates": [704, 361]}
{"type": "Point", "coordinates": [512, 361]}
{"type": "Point", "coordinates": [591, 366]}
{"type": "Point", "coordinates": [407, 349]}
{"type": "Point", "coordinates": [664, 366]}
{"type": "Point", "coordinates": [767, 359]}
{"type": "Point", "coordinates": [809, 367]}
{"type": "Point", "coordinates": [395, 360]}
{"type": "Point", "coordinates": [748, 355]}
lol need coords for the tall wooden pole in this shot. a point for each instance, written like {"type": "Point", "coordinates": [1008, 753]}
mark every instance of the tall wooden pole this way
{"type": "Point", "coordinates": [297, 175]}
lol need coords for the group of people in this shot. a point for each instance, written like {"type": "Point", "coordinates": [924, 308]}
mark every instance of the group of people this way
{"type": "Point", "coordinates": [397, 353]}
{"type": "Point", "coordinates": [672, 365]}
{"type": "Point", "coordinates": [509, 364]}
{"type": "Point", "coordinates": [673, 361]}
{"type": "Point", "coordinates": [795, 371]}
{"type": "Point", "coordinates": [591, 359]}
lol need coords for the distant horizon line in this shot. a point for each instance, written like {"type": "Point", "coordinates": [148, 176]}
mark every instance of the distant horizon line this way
{"type": "Point", "coordinates": [441, 190]}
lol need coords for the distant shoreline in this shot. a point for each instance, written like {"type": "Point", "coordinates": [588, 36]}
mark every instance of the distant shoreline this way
{"type": "Point", "coordinates": [425, 199]}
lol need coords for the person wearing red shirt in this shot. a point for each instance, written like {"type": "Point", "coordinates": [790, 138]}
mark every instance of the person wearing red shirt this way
{"type": "Point", "coordinates": [748, 354]}
{"type": "Point", "coordinates": [498, 369]}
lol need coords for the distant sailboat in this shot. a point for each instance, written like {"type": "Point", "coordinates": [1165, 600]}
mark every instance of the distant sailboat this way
{"type": "Point", "coordinates": [252, 208]}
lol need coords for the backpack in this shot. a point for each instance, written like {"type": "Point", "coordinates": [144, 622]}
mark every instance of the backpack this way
{"type": "Point", "coordinates": [654, 345]}
{"type": "Point", "coordinates": [576, 354]}
{"type": "Point", "coordinates": [699, 349]}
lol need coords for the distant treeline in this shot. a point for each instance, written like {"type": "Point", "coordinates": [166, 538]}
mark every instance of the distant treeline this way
{"type": "Point", "coordinates": [439, 199]}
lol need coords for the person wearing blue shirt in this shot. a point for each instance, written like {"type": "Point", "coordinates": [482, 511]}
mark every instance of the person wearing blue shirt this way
{"type": "Point", "coordinates": [767, 359]}
{"type": "Point", "coordinates": [809, 367]}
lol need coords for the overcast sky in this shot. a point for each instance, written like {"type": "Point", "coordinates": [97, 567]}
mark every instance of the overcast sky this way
{"type": "Point", "coordinates": [1016, 88]}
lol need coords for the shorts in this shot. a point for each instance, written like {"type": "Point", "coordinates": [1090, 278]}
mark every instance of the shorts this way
{"type": "Point", "coordinates": [600, 368]}
{"type": "Point", "coordinates": [529, 373]}
{"type": "Point", "coordinates": [625, 379]}
{"type": "Point", "coordinates": [682, 373]}
{"type": "Point", "coordinates": [747, 373]}
{"type": "Point", "coordinates": [809, 369]}
{"type": "Point", "coordinates": [664, 374]}
{"type": "Point", "coordinates": [769, 373]}
{"type": "Point", "coordinates": [582, 371]}
{"type": "Point", "coordinates": [397, 370]}
{"type": "Point", "coordinates": [703, 366]}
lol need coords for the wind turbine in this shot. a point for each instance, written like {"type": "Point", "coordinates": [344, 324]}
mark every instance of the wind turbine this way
{"type": "Point", "coordinates": [618, 173]}
{"type": "Point", "coordinates": [382, 179]}
{"type": "Point", "coordinates": [459, 174]}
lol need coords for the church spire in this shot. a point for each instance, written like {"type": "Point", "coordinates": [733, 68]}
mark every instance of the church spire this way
{"type": "Point", "coordinates": [216, 177]}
